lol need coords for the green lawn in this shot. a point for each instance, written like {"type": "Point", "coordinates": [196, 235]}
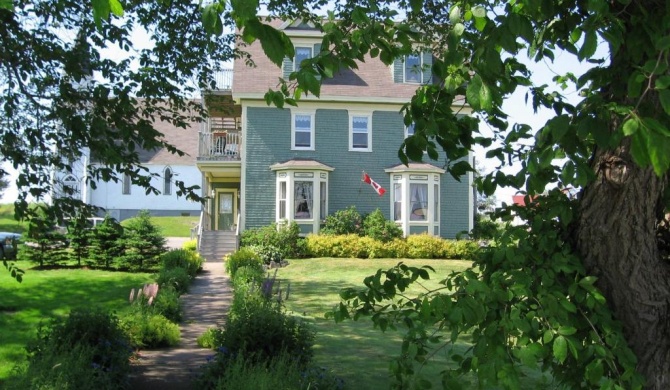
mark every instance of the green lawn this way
{"type": "Point", "coordinates": [172, 226]}
{"type": "Point", "coordinates": [353, 350]}
{"type": "Point", "coordinates": [7, 221]}
{"type": "Point", "coordinates": [44, 294]}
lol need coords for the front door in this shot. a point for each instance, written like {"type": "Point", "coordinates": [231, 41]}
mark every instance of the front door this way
{"type": "Point", "coordinates": [226, 203]}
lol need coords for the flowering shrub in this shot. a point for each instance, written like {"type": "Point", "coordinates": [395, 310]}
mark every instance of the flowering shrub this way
{"type": "Point", "coordinates": [267, 253]}
{"type": "Point", "coordinates": [182, 258]}
{"type": "Point", "coordinates": [190, 245]}
{"type": "Point", "coordinates": [177, 278]}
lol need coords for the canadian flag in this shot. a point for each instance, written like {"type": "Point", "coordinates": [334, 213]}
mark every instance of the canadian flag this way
{"type": "Point", "coordinates": [380, 190]}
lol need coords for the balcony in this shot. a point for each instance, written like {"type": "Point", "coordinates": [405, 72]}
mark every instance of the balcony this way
{"type": "Point", "coordinates": [223, 80]}
{"type": "Point", "coordinates": [220, 140]}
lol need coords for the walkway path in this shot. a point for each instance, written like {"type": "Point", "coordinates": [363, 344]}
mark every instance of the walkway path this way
{"type": "Point", "coordinates": [204, 307]}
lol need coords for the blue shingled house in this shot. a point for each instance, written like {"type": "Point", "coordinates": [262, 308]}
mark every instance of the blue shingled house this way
{"type": "Point", "coordinates": [263, 164]}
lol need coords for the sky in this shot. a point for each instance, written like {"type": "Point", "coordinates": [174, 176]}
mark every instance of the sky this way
{"type": "Point", "coordinates": [514, 106]}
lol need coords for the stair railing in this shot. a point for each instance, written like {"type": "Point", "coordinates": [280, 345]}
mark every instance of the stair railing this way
{"type": "Point", "coordinates": [237, 232]}
{"type": "Point", "coordinates": [199, 231]}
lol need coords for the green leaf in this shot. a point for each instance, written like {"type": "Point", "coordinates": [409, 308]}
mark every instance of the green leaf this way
{"type": "Point", "coordinates": [478, 94]}
{"type": "Point", "coordinates": [635, 84]}
{"type": "Point", "coordinates": [276, 45]}
{"type": "Point", "coordinates": [116, 7]}
{"type": "Point", "coordinates": [589, 46]}
{"type": "Point", "coordinates": [662, 82]}
{"type": "Point", "coordinates": [416, 5]}
{"type": "Point", "coordinates": [479, 12]}
{"type": "Point", "coordinates": [595, 372]}
{"type": "Point", "coordinates": [630, 126]}
{"type": "Point", "coordinates": [662, 43]}
{"type": "Point", "coordinates": [455, 14]}
{"type": "Point", "coordinates": [245, 9]}
{"type": "Point", "coordinates": [664, 97]}
{"type": "Point", "coordinates": [567, 330]}
{"type": "Point", "coordinates": [560, 349]}
{"type": "Point", "coordinates": [458, 30]}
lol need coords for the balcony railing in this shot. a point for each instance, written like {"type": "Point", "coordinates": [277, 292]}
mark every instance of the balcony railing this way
{"type": "Point", "coordinates": [224, 80]}
{"type": "Point", "coordinates": [220, 145]}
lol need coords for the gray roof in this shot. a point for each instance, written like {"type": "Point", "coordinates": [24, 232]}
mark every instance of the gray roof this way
{"type": "Point", "coordinates": [301, 164]}
{"type": "Point", "coordinates": [184, 139]}
{"type": "Point", "coordinates": [414, 167]}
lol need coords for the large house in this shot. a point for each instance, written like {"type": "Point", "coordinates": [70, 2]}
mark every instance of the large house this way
{"type": "Point", "coordinates": [263, 164]}
{"type": "Point", "coordinates": [260, 164]}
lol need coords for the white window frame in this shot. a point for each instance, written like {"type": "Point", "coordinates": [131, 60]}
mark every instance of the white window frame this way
{"type": "Point", "coordinates": [352, 115]}
{"type": "Point", "coordinates": [290, 177]}
{"type": "Point", "coordinates": [294, 115]}
{"type": "Point", "coordinates": [419, 69]}
{"type": "Point", "coordinates": [405, 178]}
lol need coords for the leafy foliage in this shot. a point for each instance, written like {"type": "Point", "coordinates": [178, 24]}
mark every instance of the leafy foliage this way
{"type": "Point", "coordinates": [284, 237]}
{"type": "Point", "coordinates": [182, 258]}
{"type": "Point", "coordinates": [376, 226]}
{"type": "Point", "coordinates": [88, 348]}
{"type": "Point", "coordinates": [347, 221]}
{"type": "Point", "coordinates": [244, 257]}
{"type": "Point", "coordinates": [150, 330]}
{"type": "Point", "coordinates": [267, 253]}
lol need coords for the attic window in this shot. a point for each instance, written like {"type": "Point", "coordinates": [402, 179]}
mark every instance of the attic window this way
{"type": "Point", "coordinates": [413, 68]}
{"type": "Point", "coordinates": [301, 54]}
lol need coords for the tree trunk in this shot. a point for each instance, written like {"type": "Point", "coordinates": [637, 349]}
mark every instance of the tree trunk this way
{"type": "Point", "coordinates": [617, 239]}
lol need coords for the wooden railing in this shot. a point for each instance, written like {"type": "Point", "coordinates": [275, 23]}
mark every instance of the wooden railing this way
{"type": "Point", "coordinates": [224, 145]}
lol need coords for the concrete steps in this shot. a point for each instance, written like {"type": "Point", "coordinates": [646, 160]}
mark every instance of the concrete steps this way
{"type": "Point", "coordinates": [214, 244]}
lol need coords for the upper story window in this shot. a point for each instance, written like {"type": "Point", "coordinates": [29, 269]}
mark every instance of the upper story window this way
{"type": "Point", "coordinates": [413, 68]}
{"type": "Point", "coordinates": [302, 134]}
{"type": "Point", "coordinates": [301, 53]}
{"type": "Point", "coordinates": [167, 181]}
{"type": "Point", "coordinates": [125, 186]}
{"type": "Point", "coordinates": [360, 132]}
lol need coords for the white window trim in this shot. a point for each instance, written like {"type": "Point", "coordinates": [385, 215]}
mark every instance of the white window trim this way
{"type": "Point", "coordinates": [405, 180]}
{"type": "Point", "coordinates": [404, 70]}
{"type": "Point", "coordinates": [289, 176]}
{"type": "Point", "coordinates": [407, 130]}
{"type": "Point", "coordinates": [312, 136]}
{"type": "Point", "coordinates": [353, 114]}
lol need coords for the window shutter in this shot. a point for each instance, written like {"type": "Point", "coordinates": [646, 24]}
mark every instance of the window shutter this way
{"type": "Point", "coordinates": [398, 76]}
{"type": "Point", "coordinates": [315, 52]}
{"type": "Point", "coordinates": [287, 67]}
{"type": "Point", "coordinates": [427, 67]}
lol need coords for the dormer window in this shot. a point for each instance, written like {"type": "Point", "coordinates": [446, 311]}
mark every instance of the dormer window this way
{"type": "Point", "coordinates": [413, 69]}
{"type": "Point", "coordinates": [301, 54]}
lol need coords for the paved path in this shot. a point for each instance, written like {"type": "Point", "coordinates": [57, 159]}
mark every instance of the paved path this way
{"type": "Point", "coordinates": [204, 306]}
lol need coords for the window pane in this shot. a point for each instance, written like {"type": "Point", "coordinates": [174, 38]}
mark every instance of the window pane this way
{"type": "Point", "coordinates": [303, 199]}
{"type": "Point", "coordinates": [397, 201]}
{"type": "Point", "coordinates": [324, 200]}
{"type": "Point", "coordinates": [302, 53]}
{"type": "Point", "coordinates": [303, 139]}
{"type": "Point", "coordinates": [167, 182]}
{"type": "Point", "coordinates": [303, 122]}
{"type": "Point", "coordinates": [125, 190]}
{"type": "Point", "coordinates": [412, 69]}
{"type": "Point", "coordinates": [419, 201]}
{"type": "Point", "coordinates": [436, 197]}
{"type": "Point", "coordinates": [359, 124]}
{"type": "Point", "coordinates": [282, 200]}
{"type": "Point", "coordinates": [360, 140]}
